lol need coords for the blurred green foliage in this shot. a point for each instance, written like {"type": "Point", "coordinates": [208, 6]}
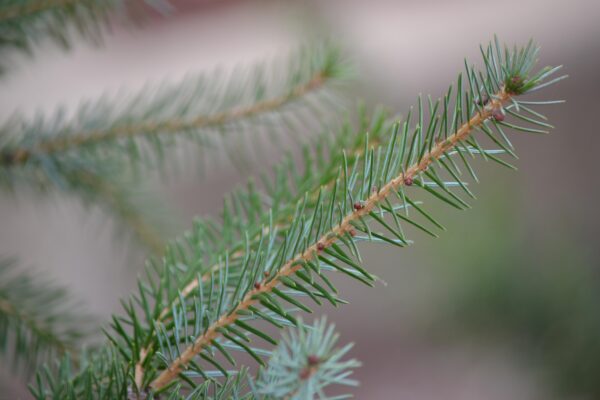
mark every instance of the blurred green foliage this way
{"type": "Point", "coordinates": [535, 287]}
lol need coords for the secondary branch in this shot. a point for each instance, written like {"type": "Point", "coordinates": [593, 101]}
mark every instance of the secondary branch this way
{"type": "Point", "coordinates": [172, 126]}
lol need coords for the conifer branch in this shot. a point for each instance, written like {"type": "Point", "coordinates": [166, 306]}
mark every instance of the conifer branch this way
{"type": "Point", "coordinates": [26, 8]}
{"type": "Point", "coordinates": [511, 81]}
{"type": "Point", "coordinates": [19, 156]}
{"type": "Point", "coordinates": [328, 238]}
{"type": "Point", "coordinates": [304, 363]}
{"type": "Point", "coordinates": [491, 110]}
{"type": "Point", "coordinates": [24, 23]}
{"type": "Point", "coordinates": [39, 320]}
{"type": "Point", "coordinates": [8, 310]}
{"type": "Point", "coordinates": [263, 264]}
{"type": "Point", "coordinates": [161, 117]}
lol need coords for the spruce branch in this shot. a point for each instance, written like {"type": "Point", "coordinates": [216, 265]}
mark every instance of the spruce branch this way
{"type": "Point", "coordinates": [429, 145]}
{"type": "Point", "coordinates": [304, 363]}
{"type": "Point", "coordinates": [174, 126]}
{"type": "Point", "coordinates": [22, 9]}
{"type": "Point", "coordinates": [327, 239]}
{"type": "Point", "coordinates": [262, 265]}
{"type": "Point", "coordinates": [99, 375]}
{"type": "Point", "coordinates": [196, 108]}
{"type": "Point", "coordinates": [24, 23]}
{"type": "Point", "coordinates": [39, 320]}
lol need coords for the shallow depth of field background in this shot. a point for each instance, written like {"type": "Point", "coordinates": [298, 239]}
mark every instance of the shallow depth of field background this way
{"type": "Point", "coordinates": [503, 306]}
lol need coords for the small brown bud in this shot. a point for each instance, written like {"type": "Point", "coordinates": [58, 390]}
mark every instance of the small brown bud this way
{"type": "Point", "coordinates": [313, 360]}
{"type": "Point", "coordinates": [358, 206]}
{"type": "Point", "coordinates": [498, 115]}
{"type": "Point", "coordinates": [352, 232]}
{"type": "Point", "coordinates": [257, 285]}
{"type": "Point", "coordinates": [408, 181]}
{"type": "Point", "coordinates": [320, 246]}
{"type": "Point", "coordinates": [305, 373]}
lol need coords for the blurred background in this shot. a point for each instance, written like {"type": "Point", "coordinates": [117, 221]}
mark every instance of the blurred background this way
{"type": "Point", "coordinates": [504, 305]}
